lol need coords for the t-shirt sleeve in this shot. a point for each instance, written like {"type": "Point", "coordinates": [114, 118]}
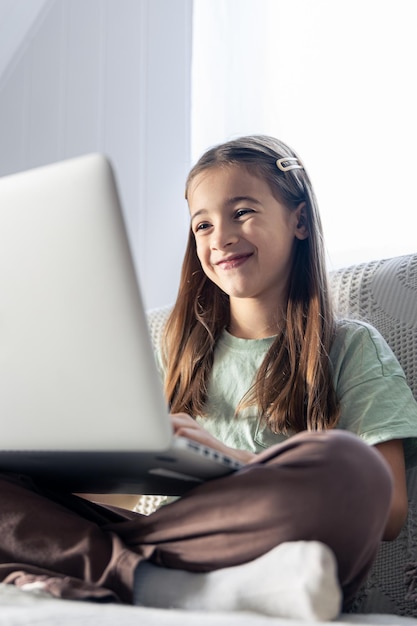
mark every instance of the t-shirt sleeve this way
{"type": "Point", "coordinates": [376, 402]}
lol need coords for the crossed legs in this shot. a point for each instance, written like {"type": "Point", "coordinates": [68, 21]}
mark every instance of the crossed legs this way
{"type": "Point", "coordinates": [327, 487]}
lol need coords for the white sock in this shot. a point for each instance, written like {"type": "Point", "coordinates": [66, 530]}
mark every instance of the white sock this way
{"type": "Point", "coordinates": [295, 579]}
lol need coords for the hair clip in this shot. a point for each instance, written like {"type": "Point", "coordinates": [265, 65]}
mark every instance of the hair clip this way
{"type": "Point", "coordinates": [289, 163]}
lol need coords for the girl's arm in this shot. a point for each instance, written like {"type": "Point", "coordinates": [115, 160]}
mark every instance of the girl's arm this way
{"type": "Point", "coordinates": [393, 453]}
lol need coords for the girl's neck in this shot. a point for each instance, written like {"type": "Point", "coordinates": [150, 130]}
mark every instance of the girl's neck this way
{"type": "Point", "coordinates": [251, 320]}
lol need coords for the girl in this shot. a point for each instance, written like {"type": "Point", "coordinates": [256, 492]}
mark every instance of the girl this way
{"type": "Point", "coordinates": [255, 364]}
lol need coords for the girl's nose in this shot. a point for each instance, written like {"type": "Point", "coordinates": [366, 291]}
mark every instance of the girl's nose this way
{"type": "Point", "coordinates": [223, 237]}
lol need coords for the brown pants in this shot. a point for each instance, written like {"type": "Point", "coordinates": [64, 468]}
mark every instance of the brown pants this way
{"type": "Point", "coordinates": [328, 487]}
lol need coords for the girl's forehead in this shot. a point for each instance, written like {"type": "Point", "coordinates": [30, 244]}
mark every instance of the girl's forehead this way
{"type": "Point", "coordinates": [225, 176]}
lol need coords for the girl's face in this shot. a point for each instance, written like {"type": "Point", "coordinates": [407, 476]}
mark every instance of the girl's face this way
{"type": "Point", "coordinates": [244, 235]}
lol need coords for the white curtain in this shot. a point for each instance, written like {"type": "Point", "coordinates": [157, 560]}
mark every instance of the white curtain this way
{"type": "Point", "coordinates": [336, 79]}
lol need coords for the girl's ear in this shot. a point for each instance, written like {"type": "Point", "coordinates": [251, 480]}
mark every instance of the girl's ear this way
{"type": "Point", "coordinates": [301, 230]}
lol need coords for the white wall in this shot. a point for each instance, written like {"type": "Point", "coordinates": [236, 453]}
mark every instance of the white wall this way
{"type": "Point", "coordinates": [78, 76]}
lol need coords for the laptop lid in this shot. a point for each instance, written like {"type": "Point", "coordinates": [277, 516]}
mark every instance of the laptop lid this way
{"type": "Point", "coordinates": [81, 401]}
{"type": "Point", "coordinates": [76, 361]}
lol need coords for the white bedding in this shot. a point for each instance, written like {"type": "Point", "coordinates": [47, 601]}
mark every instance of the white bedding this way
{"type": "Point", "coordinates": [24, 608]}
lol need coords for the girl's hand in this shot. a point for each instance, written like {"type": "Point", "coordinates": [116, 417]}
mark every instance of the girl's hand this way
{"type": "Point", "coordinates": [186, 426]}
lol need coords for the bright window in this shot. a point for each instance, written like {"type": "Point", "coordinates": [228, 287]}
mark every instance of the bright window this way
{"type": "Point", "coordinates": [335, 79]}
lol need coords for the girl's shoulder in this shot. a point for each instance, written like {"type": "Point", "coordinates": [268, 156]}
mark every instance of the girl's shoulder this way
{"type": "Point", "coordinates": [355, 328]}
{"type": "Point", "coordinates": [360, 355]}
{"type": "Point", "coordinates": [362, 342]}
{"type": "Point", "coordinates": [376, 401]}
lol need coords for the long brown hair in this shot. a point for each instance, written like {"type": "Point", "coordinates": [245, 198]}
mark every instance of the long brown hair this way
{"type": "Point", "coordinates": [293, 389]}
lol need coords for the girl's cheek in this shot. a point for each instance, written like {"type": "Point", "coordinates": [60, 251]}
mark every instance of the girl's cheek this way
{"type": "Point", "coordinates": [200, 252]}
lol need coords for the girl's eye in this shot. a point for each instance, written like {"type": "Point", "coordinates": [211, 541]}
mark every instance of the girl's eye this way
{"type": "Point", "coordinates": [243, 212]}
{"type": "Point", "coordinates": [202, 226]}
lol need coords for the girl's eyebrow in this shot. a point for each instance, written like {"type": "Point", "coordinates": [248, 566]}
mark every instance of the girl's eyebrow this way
{"type": "Point", "coordinates": [230, 202]}
{"type": "Point", "coordinates": [237, 199]}
{"type": "Point", "coordinates": [197, 213]}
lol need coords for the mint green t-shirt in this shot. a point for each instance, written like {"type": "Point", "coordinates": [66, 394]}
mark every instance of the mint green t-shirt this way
{"type": "Point", "coordinates": [376, 402]}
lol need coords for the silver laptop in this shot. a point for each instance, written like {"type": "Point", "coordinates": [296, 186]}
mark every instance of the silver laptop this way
{"type": "Point", "coordinates": [81, 402]}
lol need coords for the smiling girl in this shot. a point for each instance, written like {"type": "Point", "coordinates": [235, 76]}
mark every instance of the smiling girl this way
{"type": "Point", "coordinates": [255, 364]}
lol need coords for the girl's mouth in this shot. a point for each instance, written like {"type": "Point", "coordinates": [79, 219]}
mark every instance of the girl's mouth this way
{"type": "Point", "coordinates": [233, 262]}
